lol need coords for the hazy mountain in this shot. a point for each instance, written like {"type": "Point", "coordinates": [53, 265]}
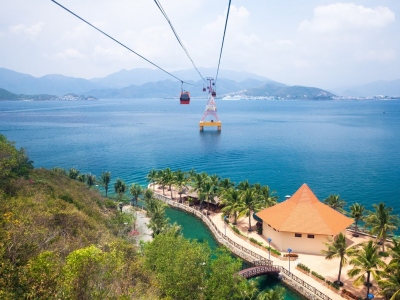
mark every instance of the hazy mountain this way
{"type": "Point", "coordinates": [282, 91]}
{"type": "Point", "coordinates": [19, 83]}
{"type": "Point", "coordinates": [126, 78]}
{"type": "Point", "coordinates": [153, 83]}
{"type": "Point", "coordinates": [382, 87]}
{"type": "Point", "coordinates": [141, 76]}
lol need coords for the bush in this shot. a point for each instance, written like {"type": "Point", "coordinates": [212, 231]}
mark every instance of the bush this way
{"type": "Point", "coordinates": [273, 250]}
{"type": "Point", "coordinates": [236, 230]}
{"type": "Point", "coordinates": [317, 275]}
{"type": "Point", "coordinates": [253, 240]}
{"type": "Point", "coordinates": [303, 267]}
{"type": "Point", "coordinates": [110, 204]}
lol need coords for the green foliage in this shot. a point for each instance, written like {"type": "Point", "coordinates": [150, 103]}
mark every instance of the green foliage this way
{"type": "Point", "coordinates": [303, 267]}
{"type": "Point", "coordinates": [185, 269]}
{"type": "Point", "coordinates": [234, 228]}
{"type": "Point", "coordinates": [253, 240]}
{"type": "Point", "coordinates": [277, 293]}
{"type": "Point", "coordinates": [14, 163]}
{"type": "Point", "coordinates": [317, 275]}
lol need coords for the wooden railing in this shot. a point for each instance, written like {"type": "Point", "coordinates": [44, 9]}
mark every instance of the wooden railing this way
{"type": "Point", "coordinates": [295, 282]}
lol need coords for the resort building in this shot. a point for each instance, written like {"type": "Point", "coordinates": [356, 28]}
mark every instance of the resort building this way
{"type": "Point", "coordinates": [302, 223]}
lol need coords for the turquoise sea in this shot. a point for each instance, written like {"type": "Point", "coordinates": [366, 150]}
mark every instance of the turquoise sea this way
{"type": "Point", "coordinates": [351, 148]}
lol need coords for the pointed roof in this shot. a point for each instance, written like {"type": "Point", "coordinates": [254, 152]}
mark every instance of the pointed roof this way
{"type": "Point", "coordinates": [304, 213]}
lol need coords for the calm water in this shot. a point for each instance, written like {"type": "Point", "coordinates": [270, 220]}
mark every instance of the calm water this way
{"type": "Point", "coordinates": [351, 148]}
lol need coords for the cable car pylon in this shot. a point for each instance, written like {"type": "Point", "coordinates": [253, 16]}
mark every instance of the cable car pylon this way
{"type": "Point", "coordinates": [211, 108]}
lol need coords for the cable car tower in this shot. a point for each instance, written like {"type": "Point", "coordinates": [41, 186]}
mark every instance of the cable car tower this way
{"type": "Point", "coordinates": [211, 108]}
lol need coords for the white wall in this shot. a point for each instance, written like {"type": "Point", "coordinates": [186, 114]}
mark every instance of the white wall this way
{"type": "Point", "coordinates": [303, 244]}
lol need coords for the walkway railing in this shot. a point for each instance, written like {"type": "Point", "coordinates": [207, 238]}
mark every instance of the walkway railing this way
{"type": "Point", "coordinates": [295, 282]}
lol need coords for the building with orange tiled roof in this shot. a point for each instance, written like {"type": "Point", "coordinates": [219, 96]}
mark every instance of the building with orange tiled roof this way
{"type": "Point", "coordinates": [302, 223]}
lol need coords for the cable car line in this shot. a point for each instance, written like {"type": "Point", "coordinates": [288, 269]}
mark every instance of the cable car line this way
{"type": "Point", "coordinates": [115, 40]}
{"type": "Point", "coordinates": [177, 37]}
{"type": "Point", "coordinates": [223, 39]}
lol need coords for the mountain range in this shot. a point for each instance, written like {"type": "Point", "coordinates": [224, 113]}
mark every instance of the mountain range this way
{"type": "Point", "coordinates": [145, 83]}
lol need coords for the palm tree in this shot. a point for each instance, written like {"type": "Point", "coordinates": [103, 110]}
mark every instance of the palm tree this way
{"type": "Point", "coordinates": [335, 202]}
{"type": "Point", "coordinates": [73, 173]}
{"type": "Point", "coordinates": [277, 293]}
{"type": "Point", "coordinates": [390, 284]}
{"type": "Point", "coordinates": [105, 180]}
{"type": "Point", "coordinates": [381, 222]}
{"type": "Point", "coordinates": [90, 179]}
{"type": "Point", "coordinates": [152, 177]}
{"type": "Point", "coordinates": [119, 188]}
{"type": "Point", "coordinates": [180, 181]}
{"type": "Point", "coordinates": [192, 174]}
{"type": "Point", "coordinates": [366, 261]}
{"type": "Point", "coordinates": [136, 190]}
{"type": "Point", "coordinates": [226, 184]}
{"type": "Point", "coordinates": [268, 197]}
{"type": "Point", "coordinates": [232, 201]}
{"type": "Point", "coordinates": [356, 212]}
{"type": "Point", "coordinates": [243, 185]}
{"type": "Point", "coordinates": [161, 179]}
{"type": "Point", "coordinates": [169, 179]}
{"type": "Point", "coordinates": [251, 201]}
{"type": "Point", "coordinates": [81, 178]}
{"type": "Point", "coordinates": [394, 252]}
{"type": "Point", "coordinates": [337, 248]}
{"type": "Point", "coordinates": [158, 222]}
{"type": "Point", "coordinates": [208, 192]}
{"type": "Point", "coordinates": [390, 279]}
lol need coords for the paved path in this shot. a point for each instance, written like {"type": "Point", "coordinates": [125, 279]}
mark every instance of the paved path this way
{"type": "Point", "coordinates": [145, 234]}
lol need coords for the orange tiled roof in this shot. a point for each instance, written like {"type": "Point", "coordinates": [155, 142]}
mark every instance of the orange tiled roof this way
{"type": "Point", "coordinates": [304, 213]}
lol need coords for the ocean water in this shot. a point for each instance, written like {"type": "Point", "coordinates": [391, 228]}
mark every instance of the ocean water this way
{"type": "Point", "coordinates": [351, 148]}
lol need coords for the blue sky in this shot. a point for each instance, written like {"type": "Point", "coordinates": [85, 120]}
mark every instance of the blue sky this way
{"type": "Point", "coordinates": [328, 44]}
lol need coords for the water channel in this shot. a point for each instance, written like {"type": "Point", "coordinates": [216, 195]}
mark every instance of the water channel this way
{"type": "Point", "coordinates": [193, 228]}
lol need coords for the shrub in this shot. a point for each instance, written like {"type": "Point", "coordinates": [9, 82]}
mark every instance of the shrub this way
{"type": "Point", "coordinates": [273, 250]}
{"type": "Point", "coordinates": [317, 275]}
{"type": "Point", "coordinates": [253, 240]}
{"type": "Point", "coordinates": [303, 267]}
{"type": "Point", "coordinates": [110, 204]}
{"type": "Point", "coordinates": [236, 230]}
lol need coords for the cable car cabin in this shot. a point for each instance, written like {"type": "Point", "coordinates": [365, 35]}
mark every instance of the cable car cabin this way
{"type": "Point", "coordinates": [214, 94]}
{"type": "Point", "coordinates": [185, 98]}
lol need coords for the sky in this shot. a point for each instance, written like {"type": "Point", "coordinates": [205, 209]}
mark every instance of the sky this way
{"type": "Point", "coordinates": [320, 43]}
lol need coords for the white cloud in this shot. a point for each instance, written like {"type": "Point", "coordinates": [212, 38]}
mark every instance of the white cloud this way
{"type": "Point", "coordinates": [376, 55]}
{"type": "Point", "coordinates": [30, 31]}
{"type": "Point", "coordinates": [70, 53]}
{"type": "Point", "coordinates": [347, 16]}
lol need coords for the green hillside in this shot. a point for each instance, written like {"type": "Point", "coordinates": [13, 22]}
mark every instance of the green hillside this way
{"type": "Point", "coordinates": [61, 239]}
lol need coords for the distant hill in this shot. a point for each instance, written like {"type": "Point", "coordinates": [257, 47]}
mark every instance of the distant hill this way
{"type": "Point", "coordinates": [19, 83]}
{"type": "Point", "coordinates": [376, 88]}
{"type": "Point", "coordinates": [6, 95]}
{"type": "Point", "coordinates": [276, 90]}
{"type": "Point", "coordinates": [148, 83]}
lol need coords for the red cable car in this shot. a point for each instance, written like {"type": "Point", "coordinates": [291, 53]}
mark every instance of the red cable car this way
{"type": "Point", "coordinates": [185, 97]}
